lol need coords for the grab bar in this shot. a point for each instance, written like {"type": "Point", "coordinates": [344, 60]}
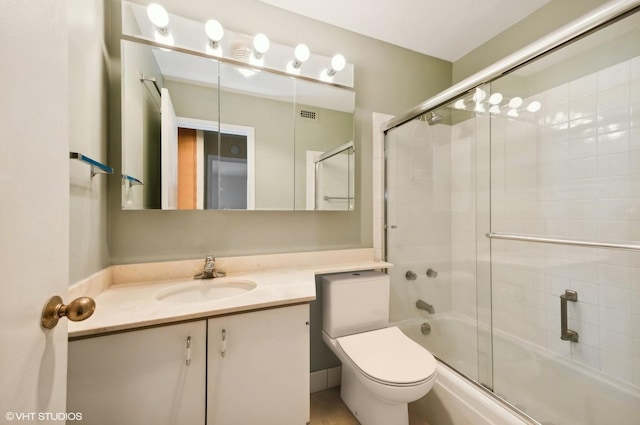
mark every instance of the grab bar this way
{"type": "Point", "coordinates": [567, 334]}
{"type": "Point", "coordinates": [573, 242]}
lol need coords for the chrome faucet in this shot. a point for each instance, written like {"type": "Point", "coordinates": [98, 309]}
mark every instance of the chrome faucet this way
{"type": "Point", "coordinates": [424, 306]}
{"type": "Point", "coordinates": [209, 271]}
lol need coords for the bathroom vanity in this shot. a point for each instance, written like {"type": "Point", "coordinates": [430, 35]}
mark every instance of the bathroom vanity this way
{"type": "Point", "coordinates": [154, 352]}
{"type": "Point", "coordinates": [238, 369]}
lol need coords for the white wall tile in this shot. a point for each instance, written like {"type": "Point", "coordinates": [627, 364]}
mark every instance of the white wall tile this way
{"type": "Point", "coordinates": [614, 76]}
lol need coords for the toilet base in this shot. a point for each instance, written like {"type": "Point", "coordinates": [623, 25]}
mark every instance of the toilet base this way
{"type": "Point", "coordinates": [368, 409]}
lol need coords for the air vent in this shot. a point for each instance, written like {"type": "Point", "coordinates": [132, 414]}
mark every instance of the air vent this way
{"type": "Point", "coordinates": [309, 115]}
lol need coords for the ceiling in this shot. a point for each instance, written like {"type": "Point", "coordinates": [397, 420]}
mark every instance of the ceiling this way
{"type": "Point", "coordinates": [446, 29]}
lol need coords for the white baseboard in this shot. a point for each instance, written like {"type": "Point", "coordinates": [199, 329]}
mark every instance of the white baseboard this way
{"type": "Point", "coordinates": [325, 379]}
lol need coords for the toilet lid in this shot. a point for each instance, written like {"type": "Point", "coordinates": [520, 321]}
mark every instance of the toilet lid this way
{"type": "Point", "coordinates": [388, 355]}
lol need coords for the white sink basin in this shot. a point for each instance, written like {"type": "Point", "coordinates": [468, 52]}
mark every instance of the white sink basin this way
{"type": "Point", "coordinates": [198, 291]}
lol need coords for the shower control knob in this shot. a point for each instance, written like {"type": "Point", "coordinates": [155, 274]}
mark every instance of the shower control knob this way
{"type": "Point", "coordinates": [410, 275]}
{"type": "Point", "coordinates": [432, 273]}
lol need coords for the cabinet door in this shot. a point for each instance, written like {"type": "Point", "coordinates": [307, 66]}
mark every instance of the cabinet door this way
{"type": "Point", "coordinates": [258, 368]}
{"type": "Point", "coordinates": [140, 377]}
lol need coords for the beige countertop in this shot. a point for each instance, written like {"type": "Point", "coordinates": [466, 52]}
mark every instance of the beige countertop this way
{"type": "Point", "coordinates": [133, 304]}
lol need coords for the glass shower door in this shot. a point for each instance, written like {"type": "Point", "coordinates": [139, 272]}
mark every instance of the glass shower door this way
{"type": "Point", "coordinates": [432, 236]}
{"type": "Point", "coordinates": [565, 165]}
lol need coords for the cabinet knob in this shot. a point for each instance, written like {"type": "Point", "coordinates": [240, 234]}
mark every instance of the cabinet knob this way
{"type": "Point", "coordinates": [77, 310]}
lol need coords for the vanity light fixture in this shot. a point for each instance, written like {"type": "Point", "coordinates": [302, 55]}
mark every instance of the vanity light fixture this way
{"type": "Point", "coordinates": [261, 45]}
{"type": "Point", "coordinates": [214, 32]}
{"type": "Point", "coordinates": [338, 63]}
{"type": "Point", "coordinates": [160, 19]}
{"type": "Point", "coordinates": [301, 55]}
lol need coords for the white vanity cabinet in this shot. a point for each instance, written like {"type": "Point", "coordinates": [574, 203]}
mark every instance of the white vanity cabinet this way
{"type": "Point", "coordinates": [150, 376]}
{"type": "Point", "coordinates": [258, 368]}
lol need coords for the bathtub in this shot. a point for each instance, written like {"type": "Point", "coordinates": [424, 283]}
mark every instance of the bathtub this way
{"type": "Point", "coordinates": [547, 387]}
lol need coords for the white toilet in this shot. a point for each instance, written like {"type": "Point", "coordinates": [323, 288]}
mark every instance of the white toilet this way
{"type": "Point", "coordinates": [382, 369]}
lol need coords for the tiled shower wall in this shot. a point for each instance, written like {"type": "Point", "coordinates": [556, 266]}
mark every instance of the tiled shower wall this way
{"type": "Point", "coordinates": [419, 182]}
{"type": "Point", "coordinates": [572, 170]}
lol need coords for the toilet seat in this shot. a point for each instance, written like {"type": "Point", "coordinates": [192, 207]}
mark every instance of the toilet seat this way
{"type": "Point", "coordinates": [389, 357]}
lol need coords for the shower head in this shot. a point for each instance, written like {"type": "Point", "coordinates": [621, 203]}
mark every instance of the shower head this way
{"type": "Point", "coordinates": [431, 118]}
{"type": "Point", "coordinates": [434, 118]}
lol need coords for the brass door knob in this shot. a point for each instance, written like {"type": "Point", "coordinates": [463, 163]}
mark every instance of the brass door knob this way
{"type": "Point", "coordinates": [77, 310]}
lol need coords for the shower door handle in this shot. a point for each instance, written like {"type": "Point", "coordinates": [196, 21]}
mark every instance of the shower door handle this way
{"type": "Point", "coordinates": [566, 333]}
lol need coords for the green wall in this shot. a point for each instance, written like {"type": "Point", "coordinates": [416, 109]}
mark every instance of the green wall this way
{"type": "Point", "coordinates": [548, 18]}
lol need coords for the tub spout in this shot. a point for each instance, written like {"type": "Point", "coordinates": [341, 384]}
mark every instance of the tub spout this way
{"type": "Point", "coordinates": [424, 306]}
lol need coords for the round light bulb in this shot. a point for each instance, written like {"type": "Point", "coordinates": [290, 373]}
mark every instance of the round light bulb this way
{"type": "Point", "coordinates": [515, 102]}
{"type": "Point", "coordinates": [214, 30]}
{"type": "Point", "coordinates": [338, 62]}
{"type": "Point", "coordinates": [302, 53]}
{"type": "Point", "coordinates": [495, 99]}
{"type": "Point", "coordinates": [534, 106]}
{"type": "Point", "coordinates": [158, 15]}
{"type": "Point", "coordinates": [479, 95]}
{"type": "Point", "coordinates": [261, 43]}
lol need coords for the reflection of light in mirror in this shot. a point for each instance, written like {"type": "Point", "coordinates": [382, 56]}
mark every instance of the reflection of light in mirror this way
{"type": "Point", "coordinates": [513, 113]}
{"type": "Point", "coordinates": [495, 98]}
{"type": "Point", "coordinates": [459, 104]}
{"type": "Point", "coordinates": [534, 106]}
{"type": "Point", "coordinates": [479, 95]}
{"type": "Point", "coordinates": [515, 102]}
{"type": "Point", "coordinates": [495, 109]}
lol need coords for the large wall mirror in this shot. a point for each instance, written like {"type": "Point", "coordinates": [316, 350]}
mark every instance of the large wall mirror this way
{"type": "Point", "coordinates": [199, 132]}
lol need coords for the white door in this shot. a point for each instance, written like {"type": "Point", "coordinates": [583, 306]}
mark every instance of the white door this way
{"type": "Point", "coordinates": [169, 153]}
{"type": "Point", "coordinates": [34, 207]}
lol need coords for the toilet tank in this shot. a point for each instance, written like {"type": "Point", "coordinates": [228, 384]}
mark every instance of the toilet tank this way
{"type": "Point", "coordinates": [354, 302]}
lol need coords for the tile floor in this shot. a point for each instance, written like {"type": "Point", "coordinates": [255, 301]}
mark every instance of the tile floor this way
{"type": "Point", "coordinates": [328, 409]}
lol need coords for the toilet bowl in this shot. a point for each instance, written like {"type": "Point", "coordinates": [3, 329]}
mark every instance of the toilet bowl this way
{"type": "Point", "coordinates": [382, 369]}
